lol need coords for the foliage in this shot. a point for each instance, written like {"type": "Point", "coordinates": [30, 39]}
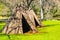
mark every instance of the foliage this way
{"type": "Point", "coordinates": [1, 7]}
{"type": "Point", "coordinates": [4, 11]}
{"type": "Point", "coordinates": [36, 8]}
{"type": "Point", "coordinates": [51, 7]}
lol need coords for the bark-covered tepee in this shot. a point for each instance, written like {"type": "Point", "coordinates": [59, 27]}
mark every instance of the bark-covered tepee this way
{"type": "Point", "coordinates": [21, 21]}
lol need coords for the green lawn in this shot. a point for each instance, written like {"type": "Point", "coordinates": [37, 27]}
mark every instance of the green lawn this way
{"type": "Point", "coordinates": [51, 31]}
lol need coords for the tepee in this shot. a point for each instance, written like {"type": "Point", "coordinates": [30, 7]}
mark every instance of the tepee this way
{"type": "Point", "coordinates": [22, 21]}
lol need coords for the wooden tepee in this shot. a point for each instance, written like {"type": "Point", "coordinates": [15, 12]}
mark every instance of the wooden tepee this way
{"type": "Point", "coordinates": [22, 21]}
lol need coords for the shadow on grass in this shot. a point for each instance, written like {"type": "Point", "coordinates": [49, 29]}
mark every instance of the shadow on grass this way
{"type": "Point", "coordinates": [6, 35]}
{"type": "Point", "coordinates": [1, 27]}
{"type": "Point", "coordinates": [51, 25]}
{"type": "Point", "coordinates": [43, 32]}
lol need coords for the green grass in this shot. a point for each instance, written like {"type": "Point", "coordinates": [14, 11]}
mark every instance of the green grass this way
{"type": "Point", "coordinates": [51, 31]}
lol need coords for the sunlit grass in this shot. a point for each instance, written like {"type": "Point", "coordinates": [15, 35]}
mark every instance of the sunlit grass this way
{"type": "Point", "coordinates": [51, 31]}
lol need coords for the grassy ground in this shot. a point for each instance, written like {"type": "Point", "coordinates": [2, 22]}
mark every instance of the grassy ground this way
{"type": "Point", "coordinates": [51, 31]}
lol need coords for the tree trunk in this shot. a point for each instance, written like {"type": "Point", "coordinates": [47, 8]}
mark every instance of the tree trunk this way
{"type": "Point", "coordinates": [42, 10]}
